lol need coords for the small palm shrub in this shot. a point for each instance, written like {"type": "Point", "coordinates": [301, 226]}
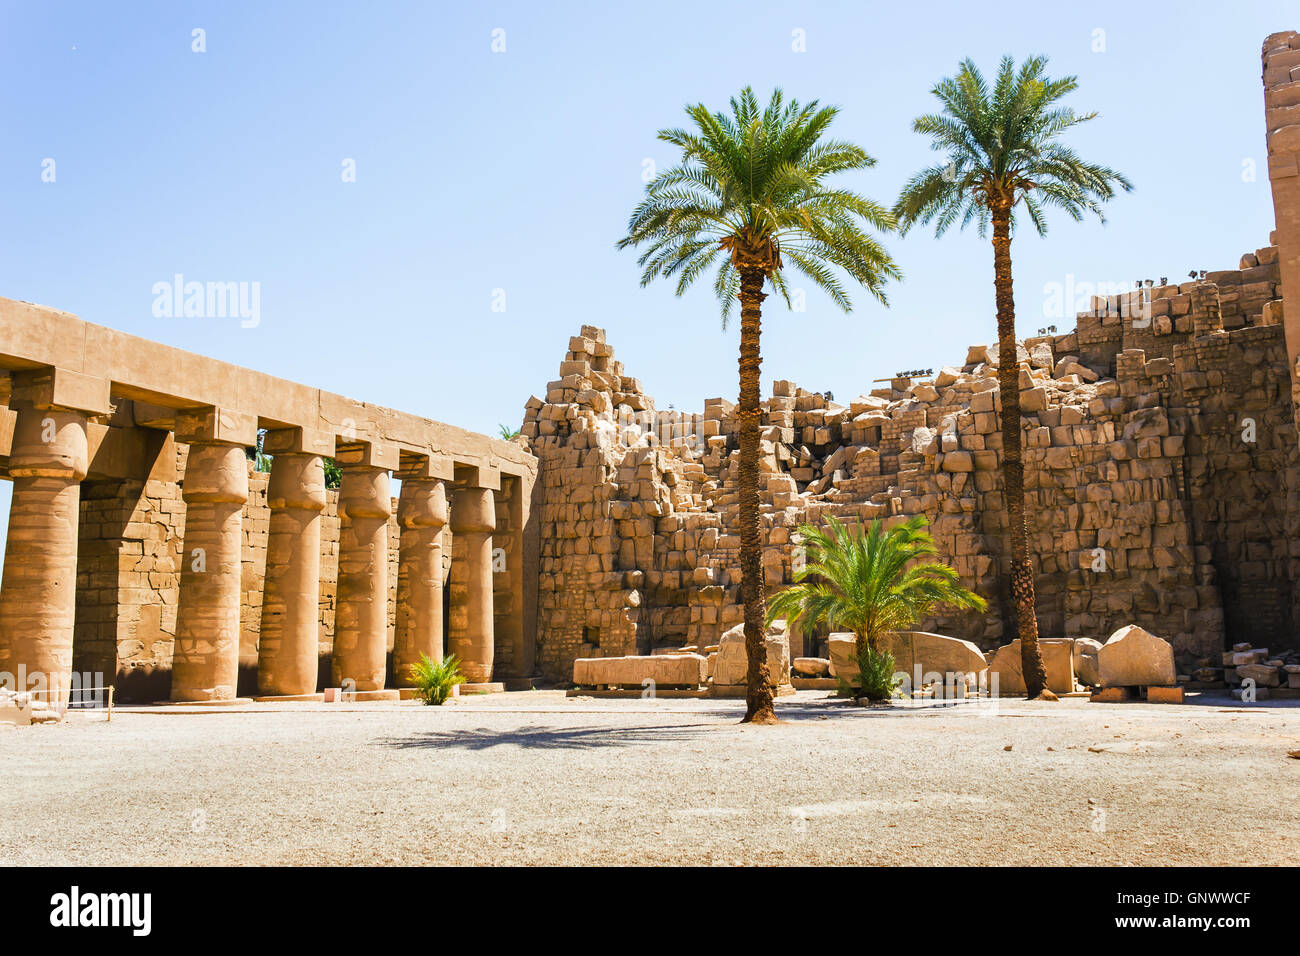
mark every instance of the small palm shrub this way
{"type": "Point", "coordinates": [876, 674]}
{"type": "Point", "coordinates": [871, 581]}
{"type": "Point", "coordinates": [434, 680]}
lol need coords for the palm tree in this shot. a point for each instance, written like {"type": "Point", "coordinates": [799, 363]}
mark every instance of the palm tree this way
{"type": "Point", "coordinates": [871, 582]}
{"type": "Point", "coordinates": [748, 194]}
{"type": "Point", "coordinates": [1002, 149]}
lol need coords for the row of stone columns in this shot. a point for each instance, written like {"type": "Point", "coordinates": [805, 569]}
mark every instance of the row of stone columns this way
{"type": "Point", "coordinates": [37, 601]}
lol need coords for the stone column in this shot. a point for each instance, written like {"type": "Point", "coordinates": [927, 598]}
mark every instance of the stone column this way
{"type": "Point", "coordinates": [1281, 56]}
{"type": "Point", "coordinates": [473, 519]}
{"type": "Point", "coordinates": [205, 658]}
{"type": "Point", "coordinates": [422, 514]}
{"type": "Point", "coordinates": [361, 618]}
{"type": "Point", "coordinates": [38, 597]}
{"type": "Point", "coordinates": [288, 649]}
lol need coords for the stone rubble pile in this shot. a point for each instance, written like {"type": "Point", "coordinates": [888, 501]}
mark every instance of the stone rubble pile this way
{"type": "Point", "coordinates": [1162, 482]}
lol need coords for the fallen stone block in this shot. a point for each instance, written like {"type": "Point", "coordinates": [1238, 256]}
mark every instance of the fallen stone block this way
{"type": "Point", "coordinates": [1058, 659]}
{"type": "Point", "coordinates": [1133, 658]}
{"type": "Point", "coordinates": [1114, 695]}
{"type": "Point", "coordinates": [666, 670]}
{"type": "Point", "coordinates": [732, 663]}
{"type": "Point", "coordinates": [812, 666]}
{"type": "Point", "coordinates": [933, 654]}
{"type": "Point", "coordinates": [1264, 675]}
{"type": "Point", "coordinates": [1086, 667]}
{"type": "Point", "coordinates": [1164, 695]}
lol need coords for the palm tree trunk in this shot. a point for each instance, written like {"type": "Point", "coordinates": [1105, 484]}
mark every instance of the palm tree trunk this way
{"type": "Point", "coordinates": [758, 692]}
{"type": "Point", "coordinates": [1013, 469]}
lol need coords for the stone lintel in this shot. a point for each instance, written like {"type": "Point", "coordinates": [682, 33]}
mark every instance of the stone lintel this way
{"type": "Point", "coordinates": [212, 424]}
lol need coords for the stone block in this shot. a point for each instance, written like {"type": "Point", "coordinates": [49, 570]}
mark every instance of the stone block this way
{"type": "Point", "coordinates": [1132, 657]}
{"type": "Point", "coordinates": [1058, 659]}
{"type": "Point", "coordinates": [732, 665]}
{"type": "Point", "coordinates": [665, 670]}
{"type": "Point", "coordinates": [1164, 695]}
{"type": "Point", "coordinates": [1086, 667]}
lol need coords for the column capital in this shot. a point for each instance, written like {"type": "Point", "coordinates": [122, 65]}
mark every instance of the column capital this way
{"type": "Point", "coordinates": [364, 492]}
{"type": "Point", "coordinates": [473, 510]}
{"type": "Point", "coordinates": [422, 503]}
{"type": "Point", "coordinates": [49, 443]}
{"type": "Point", "coordinates": [297, 482]}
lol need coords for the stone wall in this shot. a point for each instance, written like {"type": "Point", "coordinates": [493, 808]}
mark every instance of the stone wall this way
{"type": "Point", "coordinates": [1161, 482]}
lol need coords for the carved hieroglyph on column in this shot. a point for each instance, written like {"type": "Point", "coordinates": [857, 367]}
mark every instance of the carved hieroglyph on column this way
{"type": "Point", "coordinates": [205, 662]}
{"type": "Point", "coordinates": [473, 519]}
{"type": "Point", "coordinates": [361, 622]}
{"type": "Point", "coordinates": [38, 598]}
{"type": "Point", "coordinates": [288, 649]}
{"type": "Point", "coordinates": [422, 515]}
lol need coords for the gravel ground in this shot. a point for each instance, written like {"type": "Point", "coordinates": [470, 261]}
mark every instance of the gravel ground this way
{"type": "Point", "coordinates": [539, 778]}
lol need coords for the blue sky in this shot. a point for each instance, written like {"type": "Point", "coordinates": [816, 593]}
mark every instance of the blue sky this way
{"type": "Point", "coordinates": [479, 171]}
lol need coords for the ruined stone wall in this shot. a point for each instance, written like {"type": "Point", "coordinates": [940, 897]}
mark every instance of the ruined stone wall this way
{"type": "Point", "coordinates": [1146, 503]}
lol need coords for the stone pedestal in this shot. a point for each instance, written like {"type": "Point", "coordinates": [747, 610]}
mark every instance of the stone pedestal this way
{"type": "Point", "coordinates": [471, 637]}
{"type": "Point", "coordinates": [361, 620]}
{"type": "Point", "coordinates": [38, 596]}
{"type": "Point", "coordinates": [205, 660]}
{"type": "Point", "coordinates": [290, 638]}
{"type": "Point", "coordinates": [422, 514]}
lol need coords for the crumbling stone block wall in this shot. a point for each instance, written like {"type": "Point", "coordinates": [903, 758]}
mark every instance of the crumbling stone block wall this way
{"type": "Point", "coordinates": [1147, 505]}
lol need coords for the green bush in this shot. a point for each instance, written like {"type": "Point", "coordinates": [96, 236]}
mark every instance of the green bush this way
{"type": "Point", "coordinates": [434, 679]}
{"type": "Point", "coordinates": [876, 674]}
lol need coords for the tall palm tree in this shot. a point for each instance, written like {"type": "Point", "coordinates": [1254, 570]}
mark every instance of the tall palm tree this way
{"type": "Point", "coordinates": [870, 581]}
{"type": "Point", "coordinates": [748, 195]}
{"type": "Point", "coordinates": [1002, 149]}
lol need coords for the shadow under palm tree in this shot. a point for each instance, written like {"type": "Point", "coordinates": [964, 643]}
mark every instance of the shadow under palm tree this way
{"type": "Point", "coordinates": [551, 738]}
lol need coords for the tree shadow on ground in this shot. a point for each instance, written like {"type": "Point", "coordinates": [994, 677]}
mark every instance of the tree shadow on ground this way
{"type": "Point", "coordinates": [551, 738]}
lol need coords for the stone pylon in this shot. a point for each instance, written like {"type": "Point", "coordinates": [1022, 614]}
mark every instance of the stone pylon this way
{"type": "Point", "coordinates": [38, 597]}
{"type": "Point", "coordinates": [422, 514]}
{"type": "Point", "coordinates": [473, 519]}
{"type": "Point", "coordinates": [361, 621]}
{"type": "Point", "coordinates": [288, 651]}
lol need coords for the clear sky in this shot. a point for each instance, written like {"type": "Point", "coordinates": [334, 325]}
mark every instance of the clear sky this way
{"type": "Point", "coordinates": [478, 171]}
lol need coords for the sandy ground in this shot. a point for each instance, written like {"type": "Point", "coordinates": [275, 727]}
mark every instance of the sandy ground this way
{"type": "Point", "coordinates": [539, 778]}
